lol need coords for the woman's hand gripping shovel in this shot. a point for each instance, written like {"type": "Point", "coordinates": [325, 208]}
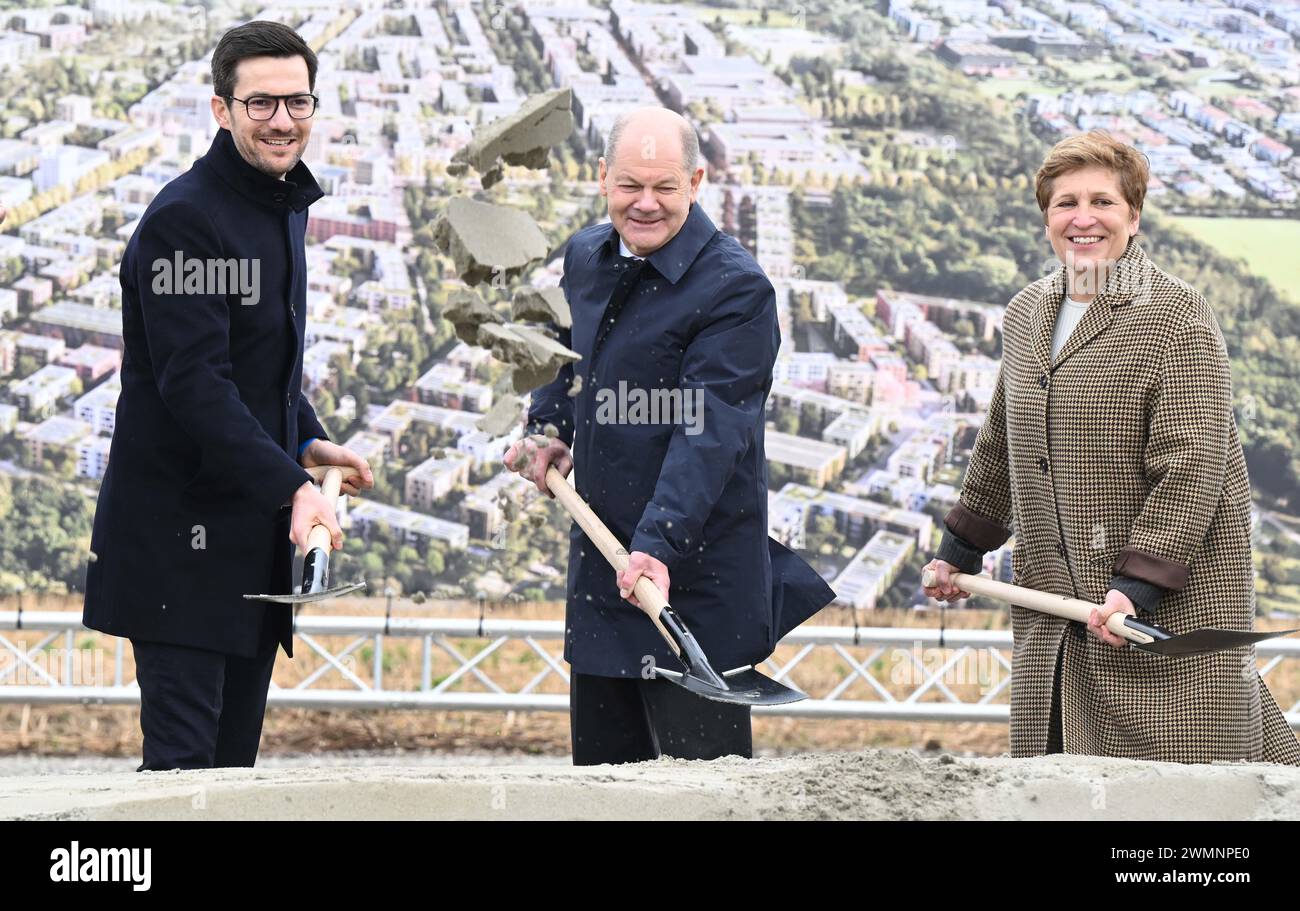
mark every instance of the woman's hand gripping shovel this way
{"type": "Point", "coordinates": [1146, 636]}
{"type": "Point", "coordinates": [316, 563]}
{"type": "Point", "coordinates": [743, 686]}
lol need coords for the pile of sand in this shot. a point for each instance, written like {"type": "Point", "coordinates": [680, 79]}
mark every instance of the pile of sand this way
{"type": "Point", "coordinates": [870, 784]}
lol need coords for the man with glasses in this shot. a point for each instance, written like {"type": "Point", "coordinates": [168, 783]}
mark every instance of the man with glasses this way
{"type": "Point", "coordinates": [206, 492]}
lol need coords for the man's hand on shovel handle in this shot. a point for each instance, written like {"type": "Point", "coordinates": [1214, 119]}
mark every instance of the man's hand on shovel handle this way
{"type": "Point", "coordinates": [640, 564]}
{"type": "Point", "coordinates": [1115, 601]}
{"type": "Point", "coordinates": [323, 452]}
{"type": "Point", "coordinates": [531, 461]}
{"type": "Point", "coordinates": [310, 508]}
{"type": "Point", "coordinates": [943, 590]}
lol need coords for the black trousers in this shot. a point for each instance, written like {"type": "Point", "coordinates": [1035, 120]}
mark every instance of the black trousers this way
{"type": "Point", "coordinates": [201, 709]}
{"type": "Point", "coordinates": [617, 720]}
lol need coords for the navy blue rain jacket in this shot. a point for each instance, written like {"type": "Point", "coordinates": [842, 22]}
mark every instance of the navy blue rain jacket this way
{"type": "Point", "coordinates": [193, 511]}
{"type": "Point", "coordinates": [688, 487]}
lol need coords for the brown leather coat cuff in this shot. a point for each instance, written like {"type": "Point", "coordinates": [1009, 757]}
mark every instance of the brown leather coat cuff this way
{"type": "Point", "coordinates": [972, 527]}
{"type": "Point", "coordinates": [1139, 564]}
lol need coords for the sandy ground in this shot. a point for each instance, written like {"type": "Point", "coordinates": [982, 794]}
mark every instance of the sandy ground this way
{"type": "Point", "coordinates": [869, 784]}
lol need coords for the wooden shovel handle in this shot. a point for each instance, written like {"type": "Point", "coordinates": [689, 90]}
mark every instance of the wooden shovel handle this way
{"type": "Point", "coordinates": [346, 473]}
{"type": "Point", "coordinates": [1056, 605]}
{"type": "Point", "coordinates": [651, 600]}
{"type": "Point", "coordinates": [330, 478]}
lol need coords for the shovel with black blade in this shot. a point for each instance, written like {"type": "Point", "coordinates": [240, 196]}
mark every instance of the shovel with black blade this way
{"type": "Point", "coordinates": [1146, 636]}
{"type": "Point", "coordinates": [742, 686]}
{"type": "Point", "coordinates": [316, 563]}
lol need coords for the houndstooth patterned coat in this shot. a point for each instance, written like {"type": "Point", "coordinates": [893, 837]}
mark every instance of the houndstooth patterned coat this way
{"type": "Point", "coordinates": [1122, 457]}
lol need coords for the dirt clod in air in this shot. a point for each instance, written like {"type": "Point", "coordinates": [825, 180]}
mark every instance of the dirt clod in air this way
{"type": "Point", "coordinates": [523, 138]}
{"type": "Point", "coordinates": [541, 305]}
{"type": "Point", "coordinates": [488, 242]}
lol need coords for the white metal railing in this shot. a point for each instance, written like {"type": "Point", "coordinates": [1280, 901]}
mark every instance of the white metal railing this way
{"type": "Point", "coordinates": [929, 669]}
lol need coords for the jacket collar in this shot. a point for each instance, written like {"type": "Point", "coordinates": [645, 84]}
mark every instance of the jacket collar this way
{"type": "Point", "coordinates": [297, 191]}
{"type": "Point", "coordinates": [675, 257]}
{"type": "Point", "coordinates": [1127, 280]}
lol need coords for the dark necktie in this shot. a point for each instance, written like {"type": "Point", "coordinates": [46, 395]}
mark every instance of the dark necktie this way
{"type": "Point", "coordinates": [631, 268]}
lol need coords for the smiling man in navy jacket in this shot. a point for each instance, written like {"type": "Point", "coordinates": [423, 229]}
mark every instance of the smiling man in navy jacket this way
{"type": "Point", "coordinates": [665, 306]}
{"type": "Point", "coordinates": [206, 492]}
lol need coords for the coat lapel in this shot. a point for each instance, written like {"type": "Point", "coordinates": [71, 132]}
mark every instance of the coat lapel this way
{"type": "Point", "coordinates": [1128, 277]}
{"type": "Point", "coordinates": [1096, 318]}
{"type": "Point", "coordinates": [1044, 319]}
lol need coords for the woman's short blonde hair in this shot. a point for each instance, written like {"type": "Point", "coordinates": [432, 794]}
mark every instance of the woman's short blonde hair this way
{"type": "Point", "coordinates": [1095, 149]}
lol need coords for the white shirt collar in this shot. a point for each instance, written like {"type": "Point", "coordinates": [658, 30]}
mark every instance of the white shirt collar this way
{"type": "Point", "coordinates": [624, 251]}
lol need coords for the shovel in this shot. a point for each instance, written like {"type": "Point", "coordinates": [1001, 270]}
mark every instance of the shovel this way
{"type": "Point", "coordinates": [742, 686]}
{"type": "Point", "coordinates": [316, 564]}
{"type": "Point", "coordinates": [1146, 636]}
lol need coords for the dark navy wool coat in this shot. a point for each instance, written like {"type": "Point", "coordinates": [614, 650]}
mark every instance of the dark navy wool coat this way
{"type": "Point", "coordinates": [193, 511]}
{"type": "Point", "coordinates": [690, 490]}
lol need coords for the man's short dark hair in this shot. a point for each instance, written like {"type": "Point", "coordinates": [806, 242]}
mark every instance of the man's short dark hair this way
{"type": "Point", "coordinates": [259, 38]}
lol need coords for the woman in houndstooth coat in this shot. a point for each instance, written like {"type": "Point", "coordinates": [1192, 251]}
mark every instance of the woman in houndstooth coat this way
{"type": "Point", "coordinates": [1110, 445]}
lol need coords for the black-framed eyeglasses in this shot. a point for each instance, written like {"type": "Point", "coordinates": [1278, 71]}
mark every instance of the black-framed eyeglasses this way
{"type": "Point", "coordinates": [264, 107]}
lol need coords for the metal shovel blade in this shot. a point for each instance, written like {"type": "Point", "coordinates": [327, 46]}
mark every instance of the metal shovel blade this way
{"type": "Point", "coordinates": [305, 597]}
{"type": "Point", "coordinates": [315, 581]}
{"type": "Point", "coordinates": [1206, 641]}
{"type": "Point", "coordinates": [743, 686]}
